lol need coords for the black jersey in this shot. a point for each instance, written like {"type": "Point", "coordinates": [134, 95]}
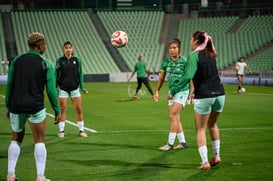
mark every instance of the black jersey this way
{"type": "Point", "coordinates": [69, 73]}
{"type": "Point", "coordinates": [27, 77]}
{"type": "Point", "coordinates": [202, 69]}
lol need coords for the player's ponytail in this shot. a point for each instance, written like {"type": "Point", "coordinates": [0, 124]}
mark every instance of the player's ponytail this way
{"type": "Point", "coordinates": [204, 42]}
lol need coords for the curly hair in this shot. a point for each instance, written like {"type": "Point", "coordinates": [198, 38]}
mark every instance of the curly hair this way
{"type": "Point", "coordinates": [34, 38]}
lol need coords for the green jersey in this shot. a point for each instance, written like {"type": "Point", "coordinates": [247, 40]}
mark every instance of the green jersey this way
{"type": "Point", "coordinates": [175, 70]}
{"type": "Point", "coordinates": [140, 68]}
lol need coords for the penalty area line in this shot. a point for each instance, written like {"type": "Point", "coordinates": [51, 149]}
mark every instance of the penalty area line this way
{"type": "Point", "coordinates": [74, 124]}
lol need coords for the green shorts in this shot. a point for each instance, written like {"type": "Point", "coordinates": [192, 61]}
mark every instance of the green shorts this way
{"type": "Point", "coordinates": [18, 121]}
{"type": "Point", "coordinates": [180, 97]}
{"type": "Point", "coordinates": [66, 94]}
{"type": "Point", "coordinates": [206, 105]}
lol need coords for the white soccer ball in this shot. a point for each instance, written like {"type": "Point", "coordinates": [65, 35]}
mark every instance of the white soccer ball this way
{"type": "Point", "coordinates": [242, 90]}
{"type": "Point", "coordinates": [119, 39]}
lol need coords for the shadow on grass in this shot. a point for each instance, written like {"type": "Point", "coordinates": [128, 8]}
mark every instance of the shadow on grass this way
{"type": "Point", "coordinates": [126, 100]}
{"type": "Point", "coordinates": [201, 175]}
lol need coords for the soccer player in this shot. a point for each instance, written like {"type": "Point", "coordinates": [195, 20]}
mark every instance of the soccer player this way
{"type": "Point", "coordinates": [241, 65]}
{"type": "Point", "coordinates": [28, 74]}
{"type": "Point", "coordinates": [141, 70]}
{"type": "Point", "coordinates": [209, 95]}
{"type": "Point", "coordinates": [174, 68]}
{"type": "Point", "coordinates": [70, 80]}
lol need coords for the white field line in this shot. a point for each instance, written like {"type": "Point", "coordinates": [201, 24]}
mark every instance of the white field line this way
{"type": "Point", "coordinates": [74, 124]}
{"type": "Point", "coordinates": [143, 131]}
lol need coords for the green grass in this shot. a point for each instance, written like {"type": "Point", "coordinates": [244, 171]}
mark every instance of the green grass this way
{"type": "Point", "coordinates": [130, 132]}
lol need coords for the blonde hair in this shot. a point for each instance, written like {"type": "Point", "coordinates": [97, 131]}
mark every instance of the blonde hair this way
{"type": "Point", "coordinates": [34, 38]}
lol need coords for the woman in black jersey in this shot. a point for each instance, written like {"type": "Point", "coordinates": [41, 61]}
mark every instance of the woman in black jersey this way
{"type": "Point", "coordinates": [70, 81]}
{"type": "Point", "coordinates": [209, 95]}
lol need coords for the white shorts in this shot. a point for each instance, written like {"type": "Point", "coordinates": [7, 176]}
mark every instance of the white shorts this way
{"type": "Point", "coordinates": [72, 94]}
{"type": "Point", "coordinates": [180, 97]}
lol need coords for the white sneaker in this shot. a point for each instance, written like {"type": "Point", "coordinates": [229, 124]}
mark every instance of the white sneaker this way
{"type": "Point", "coordinates": [166, 147]}
{"type": "Point", "coordinates": [60, 134]}
{"type": "Point", "coordinates": [42, 179]}
{"type": "Point", "coordinates": [181, 146]}
{"type": "Point", "coordinates": [83, 134]}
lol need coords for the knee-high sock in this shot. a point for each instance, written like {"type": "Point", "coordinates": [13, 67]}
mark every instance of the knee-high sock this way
{"type": "Point", "coordinates": [216, 148]}
{"type": "Point", "coordinates": [13, 155]}
{"type": "Point", "coordinates": [171, 138]}
{"type": "Point", "coordinates": [40, 158]}
{"type": "Point", "coordinates": [81, 125]}
{"type": "Point", "coordinates": [203, 152]}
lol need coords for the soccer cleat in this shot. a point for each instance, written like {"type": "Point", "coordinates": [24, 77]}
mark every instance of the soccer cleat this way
{"type": "Point", "coordinates": [83, 134]}
{"type": "Point", "coordinates": [205, 166]}
{"type": "Point", "coordinates": [42, 179]}
{"type": "Point", "coordinates": [181, 146]}
{"type": "Point", "coordinates": [61, 134]}
{"type": "Point", "coordinates": [166, 147]}
{"type": "Point", "coordinates": [11, 178]}
{"type": "Point", "coordinates": [135, 97]}
{"type": "Point", "coordinates": [216, 160]}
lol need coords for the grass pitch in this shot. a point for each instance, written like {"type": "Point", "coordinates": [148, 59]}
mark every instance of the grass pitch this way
{"type": "Point", "coordinates": [129, 132]}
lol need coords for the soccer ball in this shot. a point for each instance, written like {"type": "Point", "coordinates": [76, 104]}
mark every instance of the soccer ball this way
{"type": "Point", "coordinates": [119, 39]}
{"type": "Point", "coordinates": [236, 67]}
{"type": "Point", "coordinates": [242, 90]}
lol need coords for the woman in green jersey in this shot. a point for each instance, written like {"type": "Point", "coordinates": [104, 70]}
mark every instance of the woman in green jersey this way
{"type": "Point", "coordinates": [174, 68]}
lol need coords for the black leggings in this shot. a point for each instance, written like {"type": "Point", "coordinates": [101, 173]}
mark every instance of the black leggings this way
{"type": "Point", "coordinates": [146, 83]}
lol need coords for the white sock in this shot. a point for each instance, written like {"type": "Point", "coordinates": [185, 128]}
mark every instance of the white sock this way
{"type": "Point", "coordinates": [13, 155]}
{"type": "Point", "coordinates": [203, 152]}
{"type": "Point", "coordinates": [181, 137]}
{"type": "Point", "coordinates": [216, 148]}
{"type": "Point", "coordinates": [171, 138]}
{"type": "Point", "coordinates": [61, 126]}
{"type": "Point", "coordinates": [40, 158]}
{"type": "Point", "coordinates": [81, 125]}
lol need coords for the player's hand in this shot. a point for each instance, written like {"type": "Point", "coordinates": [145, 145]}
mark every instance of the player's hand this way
{"type": "Point", "coordinates": [190, 99]}
{"type": "Point", "coordinates": [85, 92]}
{"type": "Point", "coordinates": [169, 97]}
{"type": "Point", "coordinates": [7, 114]}
{"type": "Point", "coordinates": [57, 119]}
{"type": "Point", "coordinates": [155, 96]}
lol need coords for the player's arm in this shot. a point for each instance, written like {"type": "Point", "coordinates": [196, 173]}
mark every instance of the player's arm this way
{"type": "Point", "coordinates": [50, 88]}
{"type": "Point", "coordinates": [191, 94]}
{"type": "Point", "coordinates": [191, 68]}
{"type": "Point", "coordinates": [133, 73]}
{"type": "Point", "coordinates": [248, 69]}
{"type": "Point", "coordinates": [160, 82]}
{"type": "Point", "coordinates": [57, 69]}
{"type": "Point", "coordinates": [81, 76]}
{"type": "Point", "coordinates": [9, 84]}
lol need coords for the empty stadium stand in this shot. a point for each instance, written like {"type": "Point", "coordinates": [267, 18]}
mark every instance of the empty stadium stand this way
{"type": "Point", "coordinates": [254, 33]}
{"type": "Point", "coordinates": [3, 54]}
{"type": "Point", "coordinates": [252, 37]}
{"type": "Point", "coordinates": [60, 26]}
{"type": "Point", "coordinates": [143, 29]}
